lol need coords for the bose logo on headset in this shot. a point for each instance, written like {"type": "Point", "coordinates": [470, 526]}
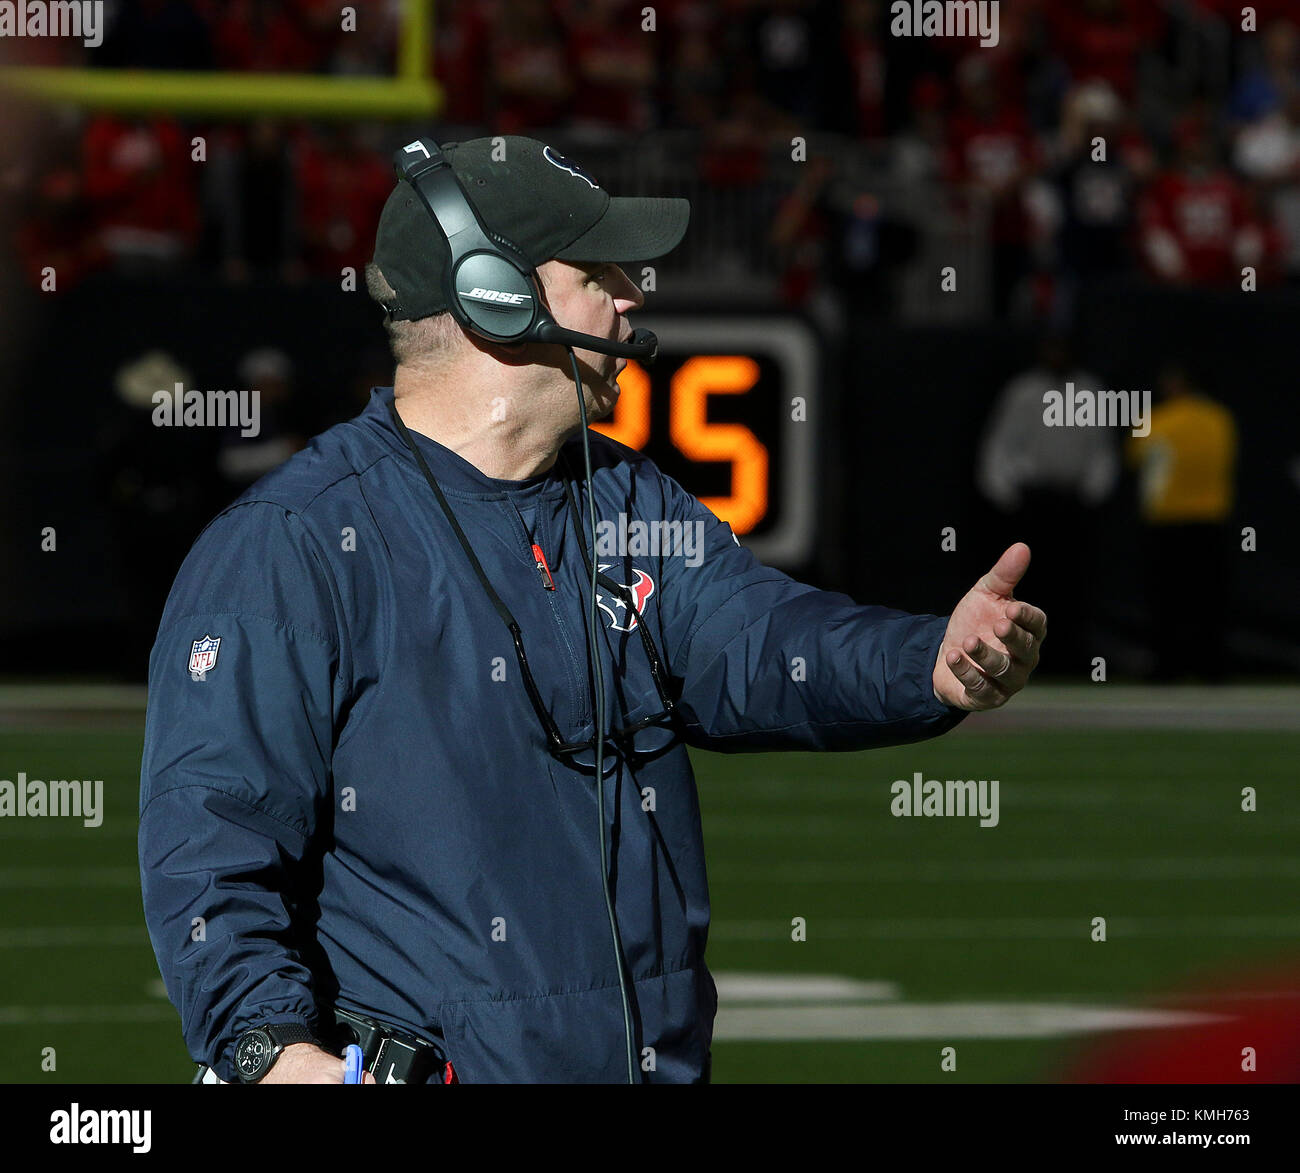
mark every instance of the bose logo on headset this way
{"type": "Point", "coordinates": [503, 310]}
{"type": "Point", "coordinates": [497, 295]}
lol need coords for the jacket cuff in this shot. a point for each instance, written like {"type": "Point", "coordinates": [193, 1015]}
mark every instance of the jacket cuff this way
{"type": "Point", "coordinates": [224, 1063]}
{"type": "Point", "coordinates": [944, 715]}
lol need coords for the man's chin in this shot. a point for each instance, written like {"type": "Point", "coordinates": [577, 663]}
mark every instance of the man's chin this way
{"type": "Point", "coordinates": [604, 401]}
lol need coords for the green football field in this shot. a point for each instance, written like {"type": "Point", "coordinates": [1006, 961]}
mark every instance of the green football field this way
{"type": "Point", "coordinates": [919, 933]}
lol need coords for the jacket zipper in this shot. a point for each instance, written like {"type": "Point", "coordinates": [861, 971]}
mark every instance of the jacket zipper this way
{"type": "Point", "coordinates": [579, 700]}
{"type": "Point", "coordinates": [540, 558]}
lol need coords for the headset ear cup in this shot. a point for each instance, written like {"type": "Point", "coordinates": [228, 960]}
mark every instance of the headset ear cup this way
{"type": "Point", "coordinates": [496, 300]}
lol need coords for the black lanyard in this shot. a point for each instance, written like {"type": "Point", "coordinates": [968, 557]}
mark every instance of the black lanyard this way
{"type": "Point", "coordinates": [506, 617]}
{"type": "Point", "coordinates": [657, 671]}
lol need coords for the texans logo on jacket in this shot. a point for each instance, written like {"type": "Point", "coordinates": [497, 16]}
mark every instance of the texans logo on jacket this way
{"type": "Point", "coordinates": [621, 618]}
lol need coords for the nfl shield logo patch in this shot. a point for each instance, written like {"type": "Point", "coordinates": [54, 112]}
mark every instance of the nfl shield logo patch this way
{"type": "Point", "coordinates": [203, 656]}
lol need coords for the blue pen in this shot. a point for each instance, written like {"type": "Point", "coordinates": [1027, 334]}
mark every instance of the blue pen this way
{"type": "Point", "coordinates": [352, 1064]}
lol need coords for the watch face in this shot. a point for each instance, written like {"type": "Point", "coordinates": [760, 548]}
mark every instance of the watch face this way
{"type": "Point", "coordinates": [253, 1054]}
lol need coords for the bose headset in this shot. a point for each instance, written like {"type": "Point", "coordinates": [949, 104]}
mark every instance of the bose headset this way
{"type": "Point", "coordinates": [493, 292]}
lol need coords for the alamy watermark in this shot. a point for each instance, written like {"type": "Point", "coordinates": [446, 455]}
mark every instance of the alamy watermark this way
{"type": "Point", "coordinates": [83, 19]}
{"type": "Point", "coordinates": [78, 1125]}
{"type": "Point", "coordinates": [650, 539]}
{"type": "Point", "coordinates": [1077, 407]}
{"type": "Point", "coordinates": [180, 408]}
{"type": "Point", "coordinates": [946, 18]}
{"type": "Point", "coordinates": [951, 798]}
{"type": "Point", "coordinates": [31, 798]}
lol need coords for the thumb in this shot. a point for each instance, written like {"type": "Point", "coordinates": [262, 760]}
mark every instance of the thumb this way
{"type": "Point", "coordinates": [1007, 571]}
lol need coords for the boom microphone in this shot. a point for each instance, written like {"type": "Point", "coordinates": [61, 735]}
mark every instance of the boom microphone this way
{"type": "Point", "coordinates": [642, 345]}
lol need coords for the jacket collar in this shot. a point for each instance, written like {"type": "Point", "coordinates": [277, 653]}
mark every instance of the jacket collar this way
{"type": "Point", "coordinates": [456, 475]}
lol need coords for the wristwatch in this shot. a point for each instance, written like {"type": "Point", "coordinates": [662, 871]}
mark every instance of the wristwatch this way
{"type": "Point", "coordinates": [258, 1048]}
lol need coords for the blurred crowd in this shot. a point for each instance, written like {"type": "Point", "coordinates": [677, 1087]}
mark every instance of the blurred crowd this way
{"type": "Point", "coordinates": [1097, 136]}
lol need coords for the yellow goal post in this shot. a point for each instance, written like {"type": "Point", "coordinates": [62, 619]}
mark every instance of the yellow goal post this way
{"type": "Point", "coordinates": [412, 93]}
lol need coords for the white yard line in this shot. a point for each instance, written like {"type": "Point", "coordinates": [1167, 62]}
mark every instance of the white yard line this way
{"type": "Point", "coordinates": [944, 1021]}
{"type": "Point", "coordinates": [736, 988]}
{"type": "Point", "coordinates": [786, 1007]}
{"type": "Point", "coordinates": [759, 1007]}
{"type": "Point", "coordinates": [916, 1020]}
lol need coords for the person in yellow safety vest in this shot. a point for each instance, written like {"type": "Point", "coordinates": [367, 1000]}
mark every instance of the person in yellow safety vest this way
{"type": "Point", "coordinates": [1186, 478]}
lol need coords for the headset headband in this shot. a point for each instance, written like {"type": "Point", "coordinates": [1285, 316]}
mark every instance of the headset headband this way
{"type": "Point", "coordinates": [491, 289]}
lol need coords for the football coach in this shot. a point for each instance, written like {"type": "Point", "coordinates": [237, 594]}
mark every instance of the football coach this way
{"type": "Point", "coordinates": [415, 771]}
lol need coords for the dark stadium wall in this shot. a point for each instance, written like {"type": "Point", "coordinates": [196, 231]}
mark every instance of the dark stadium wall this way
{"type": "Point", "coordinates": [126, 499]}
{"type": "Point", "coordinates": [915, 407]}
{"type": "Point", "coordinates": [898, 460]}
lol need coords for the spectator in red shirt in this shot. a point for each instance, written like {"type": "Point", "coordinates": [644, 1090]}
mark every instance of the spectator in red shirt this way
{"type": "Point", "coordinates": [614, 64]}
{"type": "Point", "coordinates": [1102, 40]}
{"type": "Point", "coordinates": [342, 187]}
{"type": "Point", "coordinates": [461, 62]}
{"type": "Point", "coordinates": [261, 36]}
{"type": "Point", "coordinates": [141, 184]}
{"type": "Point", "coordinates": [1196, 223]}
{"type": "Point", "coordinates": [53, 232]}
{"type": "Point", "coordinates": [867, 65]}
{"type": "Point", "coordinates": [993, 155]}
{"type": "Point", "coordinates": [532, 76]}
{"type": "Point", "coordinates": [800, 230]}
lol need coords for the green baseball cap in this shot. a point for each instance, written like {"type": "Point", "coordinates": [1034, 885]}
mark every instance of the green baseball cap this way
{"type": "Point", "coordinates": [528, 195]}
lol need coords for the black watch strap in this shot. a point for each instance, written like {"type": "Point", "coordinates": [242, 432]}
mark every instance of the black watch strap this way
{"type": "Point", "coordinates": [257, 1049]}
{"type": "Point", "coordinates": [289, 1033]}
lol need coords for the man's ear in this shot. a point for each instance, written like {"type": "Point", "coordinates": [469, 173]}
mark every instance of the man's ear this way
{"type": "Point", "coordinates": [544, 282]}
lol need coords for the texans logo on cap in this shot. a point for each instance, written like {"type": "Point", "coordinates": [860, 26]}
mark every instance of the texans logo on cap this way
{"type": "Point", "coordinates": [557, 160]}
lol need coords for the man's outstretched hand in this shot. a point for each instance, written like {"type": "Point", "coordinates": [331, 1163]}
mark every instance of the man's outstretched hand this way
{"type": "Point", "coordinates": [992, 641]}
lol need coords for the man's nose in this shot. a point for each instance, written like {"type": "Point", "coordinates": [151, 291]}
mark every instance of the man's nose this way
{"type": "Point", "coordinates": [629, 296]}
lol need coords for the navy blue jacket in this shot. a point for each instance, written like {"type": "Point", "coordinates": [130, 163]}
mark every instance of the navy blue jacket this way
{"type": "Point", "coordinates": [350, 800]}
